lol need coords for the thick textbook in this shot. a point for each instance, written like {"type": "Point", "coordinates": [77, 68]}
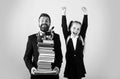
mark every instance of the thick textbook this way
{"type": "Point", "coordinates": [45, 58]}
{"type": "Point", "coordinates": [45, 72]}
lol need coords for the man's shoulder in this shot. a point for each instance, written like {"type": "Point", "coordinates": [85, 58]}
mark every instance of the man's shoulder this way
{"type": "Point", "coordinates": [56, 34]}
{"type": "Point", "coordinates": [32, 36]}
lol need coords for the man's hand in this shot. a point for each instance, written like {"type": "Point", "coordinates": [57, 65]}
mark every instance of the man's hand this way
{"type": "Point", "coordinates": [84, 9]}
{"type": "Point", "coordinates": [56, 69]}
{"type": "Point", "coordinates": [64, 10]}
{"type": "Point", "coordinates": [33, 69]}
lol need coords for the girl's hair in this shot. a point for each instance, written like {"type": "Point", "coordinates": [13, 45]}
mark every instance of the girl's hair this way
{"type": "Point", "coordinates": [71, 23]}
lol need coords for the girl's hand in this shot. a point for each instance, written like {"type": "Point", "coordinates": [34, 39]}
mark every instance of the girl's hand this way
{"type": "Point", "coordinates": [64, 10]}
{"type": "Point", "coordinates": [84, 9]}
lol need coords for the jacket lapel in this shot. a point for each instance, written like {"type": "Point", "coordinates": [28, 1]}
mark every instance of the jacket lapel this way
{"type": "Point", "coordinates": [71, 43]}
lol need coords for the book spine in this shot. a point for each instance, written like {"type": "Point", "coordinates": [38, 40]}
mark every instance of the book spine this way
{"type": "Point", "coordinates": [45, 45]}
{"type": "Point", "coordinates": [46, 48]}
{"type": "Point", "coordinates": [45, 51]}
{"type": "Point", "coordinates": [47, 60]}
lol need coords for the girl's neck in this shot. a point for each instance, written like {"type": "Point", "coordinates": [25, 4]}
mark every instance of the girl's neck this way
{"type": "Point", "coordinates": [72, 35]}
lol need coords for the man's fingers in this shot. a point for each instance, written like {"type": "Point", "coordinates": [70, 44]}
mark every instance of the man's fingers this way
{"type": "Point", "coordinates": [33, 70]}
{"type": "Point", "coordinates": [56, 69]}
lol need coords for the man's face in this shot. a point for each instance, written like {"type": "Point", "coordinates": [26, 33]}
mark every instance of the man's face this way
{"type": "Point", "coordinates": [44, 23]}
{"type": "Point", "coordinates": [75, 29]}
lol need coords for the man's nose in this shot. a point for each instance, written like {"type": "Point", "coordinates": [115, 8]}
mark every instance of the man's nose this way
{"type": "Point", "coordinates": [44, 22]}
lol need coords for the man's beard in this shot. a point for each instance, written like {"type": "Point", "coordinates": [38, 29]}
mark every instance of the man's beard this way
{"type": "Point", "coordinates": [44, 27]}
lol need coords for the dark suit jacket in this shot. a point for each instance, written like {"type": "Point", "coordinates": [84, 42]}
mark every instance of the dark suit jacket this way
{"type": "Point", "coordinates": [31, 53]}
{"type": "Point", "coordinates": [74, 68]}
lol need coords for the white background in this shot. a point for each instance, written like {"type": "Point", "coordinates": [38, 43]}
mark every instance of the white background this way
{"type": "Point", "coordinates": [19, 19]}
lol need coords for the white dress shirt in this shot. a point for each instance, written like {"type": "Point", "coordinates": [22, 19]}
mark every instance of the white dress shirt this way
{"type": "Point", "coordinates": [74, 39]}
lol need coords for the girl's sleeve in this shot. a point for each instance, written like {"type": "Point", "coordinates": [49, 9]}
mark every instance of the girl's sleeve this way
{"type": "Point", "coordinates": [64, 27]}
{"type": "Point", "coordinates": [84, 27]}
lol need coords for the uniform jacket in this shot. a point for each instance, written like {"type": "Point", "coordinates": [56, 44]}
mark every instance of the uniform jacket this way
{"type": "Point", "coordinates": [74, 57]}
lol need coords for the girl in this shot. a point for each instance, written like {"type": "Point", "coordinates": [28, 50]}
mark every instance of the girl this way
{"type": "Point", "coordinates": [75, 40]}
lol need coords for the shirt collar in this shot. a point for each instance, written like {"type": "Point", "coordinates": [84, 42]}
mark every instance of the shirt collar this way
{"type": "Point", "coordinates": [41, 33]}
{"type": "Point", "coordinates": [74, 37]}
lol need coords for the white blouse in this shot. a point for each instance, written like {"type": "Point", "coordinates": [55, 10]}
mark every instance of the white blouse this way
{"type": "Point", "coordinates": [74, 39]}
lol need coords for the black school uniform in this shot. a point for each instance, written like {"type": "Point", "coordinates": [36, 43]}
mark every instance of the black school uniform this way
{"type": "Point", "coordinates": [74, 68]}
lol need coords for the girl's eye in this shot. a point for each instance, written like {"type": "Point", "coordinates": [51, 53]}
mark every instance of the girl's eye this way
{"type": "Point", "coordinates": [78, 29]}
{"type": "Point", "coordinates": [73, 27]}
{"type": "Point", "coordinates": [46, 21]}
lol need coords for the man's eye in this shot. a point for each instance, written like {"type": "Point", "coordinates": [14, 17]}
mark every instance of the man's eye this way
{"type": "Point", "coordinates": [47, 21]}
{"type": "Point", "coordinates": [42, 20]}
{"type": "Point", "coordinates": [74, 28]}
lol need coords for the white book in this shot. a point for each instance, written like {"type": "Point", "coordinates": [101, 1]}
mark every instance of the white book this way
{"type": "Point", "coordinates": [45, 51]}
{"type": "Point", "coordinates": [48, 41]}
{"type": "Point", "coordinates": [45, 72]}
{"type": "Point", "coordinates": [46, 60]}
{"type": "Point", "coordinates": [47, 55]}
{"type": "Point", "coordinates": [46, 48]}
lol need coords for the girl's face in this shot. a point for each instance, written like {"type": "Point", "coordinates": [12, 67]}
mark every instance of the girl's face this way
{"type": "Point", "coordinates": [75, 29]}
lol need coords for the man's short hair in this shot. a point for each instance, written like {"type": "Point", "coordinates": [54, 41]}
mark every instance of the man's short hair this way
{"type": "Point", "coordinates": [44, 15]}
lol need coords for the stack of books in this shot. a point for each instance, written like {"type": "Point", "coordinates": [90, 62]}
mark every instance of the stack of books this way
{"type": "Point", "coordinates": [46, 57]}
